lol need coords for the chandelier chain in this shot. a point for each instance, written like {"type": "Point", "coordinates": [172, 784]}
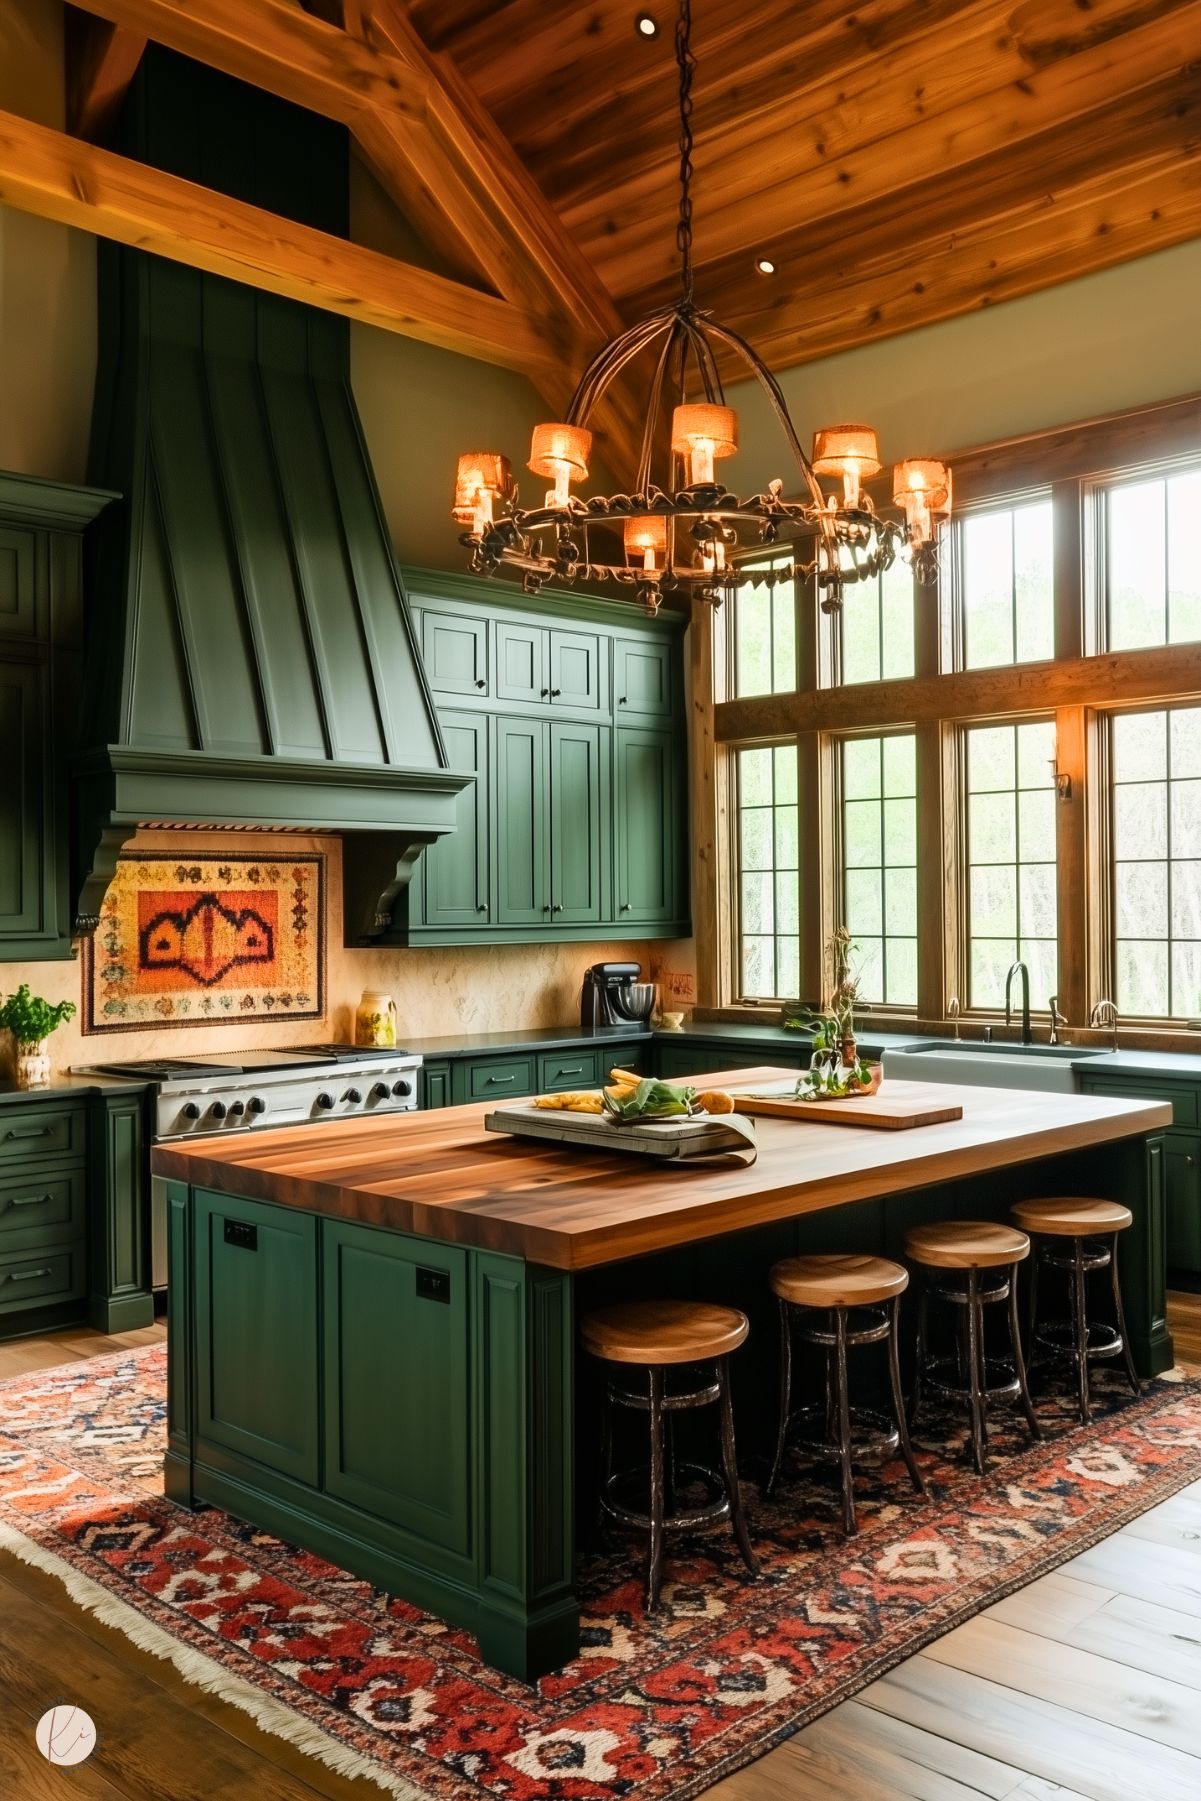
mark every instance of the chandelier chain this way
{"type": "Point", "coordinates": [686, 64]}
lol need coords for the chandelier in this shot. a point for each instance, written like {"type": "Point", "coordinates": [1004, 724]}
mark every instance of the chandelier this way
{"type": "Point", "coordinates": [689, 534]}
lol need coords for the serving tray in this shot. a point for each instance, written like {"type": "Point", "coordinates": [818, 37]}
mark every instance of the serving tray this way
{"type": "Point", "coordinates": [702, 1135]}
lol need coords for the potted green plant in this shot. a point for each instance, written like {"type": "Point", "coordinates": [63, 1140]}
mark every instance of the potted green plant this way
{"type": "Point", "coordinates": [836, 1068]}
{"type": "Point", "coordinates": [30, 1020]}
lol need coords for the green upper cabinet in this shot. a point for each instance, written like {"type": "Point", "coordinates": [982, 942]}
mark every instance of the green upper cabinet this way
{"type": "Point", "coordinates": [41, 526]}
{"type": "Point", "coordinates": [456, 875]}
{"type": "Point", "coordinates": [568, 709]}
{"type": "Point", "coordinates": [648, 830]}
{"type": "Point", "coordinates": [643, 678]}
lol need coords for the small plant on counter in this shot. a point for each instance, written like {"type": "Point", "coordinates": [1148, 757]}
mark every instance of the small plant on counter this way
{"type": "Point", "coordinates": [30, 1020]}
{"type": "Point", "coordinates": [836, 1068]}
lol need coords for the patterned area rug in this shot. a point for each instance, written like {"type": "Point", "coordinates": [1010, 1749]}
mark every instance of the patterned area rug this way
{"type": "Point", "coordinates": [662, 1709]}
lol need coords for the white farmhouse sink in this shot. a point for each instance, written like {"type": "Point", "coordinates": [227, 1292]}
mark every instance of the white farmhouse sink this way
{"type": "Point", "coordinates": [1045, 1067]}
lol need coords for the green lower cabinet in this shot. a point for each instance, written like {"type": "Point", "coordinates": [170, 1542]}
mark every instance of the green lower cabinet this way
{"type": "Point", "coordinates": [496, 1079]}
{"type": "Point", "coordinates": [433, 1085]}
{"type": "Point", "coordinates": [256, 1332]}
{"type": "Point", "coordinates": [395, 1376]}
{"type": "Point", "coordinates": [121, 1295]}
{"type": "Point", "coordinates": [1182, 1176]}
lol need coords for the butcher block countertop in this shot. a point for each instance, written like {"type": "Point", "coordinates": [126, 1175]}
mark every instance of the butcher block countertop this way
{"type": "Point", "coordinates": [441, 1175]}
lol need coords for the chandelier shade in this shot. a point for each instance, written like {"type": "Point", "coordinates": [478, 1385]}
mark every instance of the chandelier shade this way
{"type": "Point", "coordinates": [481, 475]}
{"type": "Point", "coordinates": [922, 485]}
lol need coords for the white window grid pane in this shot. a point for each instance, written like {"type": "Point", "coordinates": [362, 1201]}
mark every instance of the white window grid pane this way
{"type": "Point", "coordinates": [769, 945]}
{"type": "Point", "coordinates": [1007, 579]}
{"type": "Point", "coordinates": [875, 627]}
{"type": "Point", "coordinates": [764, 615]}
{"type": "Point", "coordinates": [1157, 898]}
{"type": "Point", "coordinates": [1002, 891]}
{"type": "Point", "coordinates": [886, 966]}
{"type": "Point", "coordinates": [1151, 531]}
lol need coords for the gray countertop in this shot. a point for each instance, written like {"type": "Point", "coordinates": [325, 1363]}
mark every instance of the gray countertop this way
{"type": "Point", "coordinates": [66, 1088]}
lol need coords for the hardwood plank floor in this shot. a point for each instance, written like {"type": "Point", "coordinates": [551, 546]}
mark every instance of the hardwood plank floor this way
{"type": "Point", "coordinates": [1082, 1687]}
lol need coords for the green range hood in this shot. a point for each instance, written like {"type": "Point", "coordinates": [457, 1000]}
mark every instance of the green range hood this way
{"type": "Point", "coordinates": [249, 659]}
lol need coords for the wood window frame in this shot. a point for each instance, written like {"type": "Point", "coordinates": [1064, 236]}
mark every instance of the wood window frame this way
{"type": "Point", "coordinates": [1082, 686]}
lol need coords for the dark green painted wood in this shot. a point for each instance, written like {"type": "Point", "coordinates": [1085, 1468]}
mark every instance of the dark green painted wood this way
{"type": "Point", "coordinates": [43, 1208]}
{"type": "Point", "coordinates": [573, 1069]}
{"type": "Point", "coordinates": [456, 883]}
{"type": "Point", "coordinates": [396, 1389]}
{"type": "Point", "coordinates": [494, 1078]}
{"type": "Point", "coordinates": [120, 1293]}
{"type": "Point", "coordinates": [520, 798]}
{"type": "Point", "coordinates": [1182, 1176]}
{"type": "Point", "coordinates": [33, 1278]}
{"type": "Point", "coordinates": [179, 1461]}
{"type": "Point", "coordinates": [25, 856]}
{"type": "Point", "coordinates": [521, 662]}
{"type": "Point", "coordinates": [19, 610]}
{"type": "Point", "coordinates": [577, 671]}
{"type": "Point", "coordinates": [576, 823]}
{"type": "Point", "coordinates": [434, 1085]}
{"type": "Point", "coordinates": [257, 1334]}
{"type": "Point", "coordinates": [455, 651]}
{"type": "Point", "coordinates": [31, 1136]}
{"type": "Point", "coordinates": [648, 825]}
{"type": "Point", "coordinates": [643, 679]}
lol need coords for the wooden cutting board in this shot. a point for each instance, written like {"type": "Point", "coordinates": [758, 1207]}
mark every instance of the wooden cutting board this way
{"type": "Point", "coordinates": [895, 1107]}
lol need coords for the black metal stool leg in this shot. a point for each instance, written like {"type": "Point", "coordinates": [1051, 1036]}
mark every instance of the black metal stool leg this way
{"type": "Point", "coordinates": [606, 1454]}
{"type": "Point", "coordinates": [974, 1349]}
{"type": "Point", "coordinates": [1080, 1329]}
{"type": "Point", "coordinates": [669, 1461]}
{"type": "Point", "coordinates": [898, 1399]}
{"type": "Point", "coordinates": [1120, 1316]}
{"type": "Point", "coordinates": [982, 1366]}
{"type": "Point", "coordinates": [729, 1463]}
{"type": "Point", "coordinates": [843, 1402]}
{"type": "Point", "coordinates": [1032, 1306]}
{"type": "Point", "coordinates": [919, 1359]}
{"type": "Point", "coordinates": [1019, 1362]}
{"type": "Point", "coordinates": [654, 1575]}
{"type": "Point", "coordinates": [785, 1396]}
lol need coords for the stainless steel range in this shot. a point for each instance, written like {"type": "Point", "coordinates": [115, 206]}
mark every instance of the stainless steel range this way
{"type": "Point", "coordinates": [247, 1091]}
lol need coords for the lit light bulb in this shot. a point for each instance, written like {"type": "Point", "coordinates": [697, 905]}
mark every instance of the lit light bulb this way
{"type": "Point", "coordinates": [922, 485]}
{"type": "Point", "coordinates": [703, 432]}
{"type": "Point", "coordinates": [481, 474]}
{"type": "Point", "coordinates": [646, 539]}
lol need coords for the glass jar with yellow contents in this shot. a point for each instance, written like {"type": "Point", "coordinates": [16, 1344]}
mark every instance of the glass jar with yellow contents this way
{"type": "Point", "coordinates": [375, 1020]}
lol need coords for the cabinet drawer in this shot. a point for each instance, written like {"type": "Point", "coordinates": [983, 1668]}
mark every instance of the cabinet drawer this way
{"type": "Point", "coordinates": [36, 1278]}
{"type": "Point", "coordinates": [1183, 1100]}
{"type": "Point", "coordinates": [33, 1212]}
{"type": "Point", "coordinates": [570, 1069]}
{"type": "Point", "coordinates": [500, 1078]}
{"type": "Point", "coordinates": [32, 1133]}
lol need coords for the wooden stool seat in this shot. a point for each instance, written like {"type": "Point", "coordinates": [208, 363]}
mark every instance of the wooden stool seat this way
{"type": "Point", "coordinates": [838, 1281]}
{"type": "Point", "coordinates": [656, 1333]}
{"type": "Point", "coordinates": [1071, 1216]}
{"type": "Point", "coordinates": [966, 1244]}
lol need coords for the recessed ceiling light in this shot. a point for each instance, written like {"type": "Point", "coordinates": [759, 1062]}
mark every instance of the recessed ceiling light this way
{"type": "Point", "coordinates": [764, 266]}
{"type": "Point", "coordinates": [648, 27]}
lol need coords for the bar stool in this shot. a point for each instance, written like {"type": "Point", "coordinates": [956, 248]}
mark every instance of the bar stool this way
{"type": "Point", "coordinates": [972, 1264]}
{"type": "Point", "coordinates": [835, 1286]}
{"type": "Point", "coordinates": [659, 1336]}
{"type": "Point", "coordinates": [1090, 1228]}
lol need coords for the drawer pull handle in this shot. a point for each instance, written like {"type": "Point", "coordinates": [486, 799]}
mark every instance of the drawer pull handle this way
{"type": "Point", "coordinates": [33, 1200]}
{"type": "Point", "coordinates": [28, 1132]}
{"type": "Point", "coordinates": [575, 1069]}
{"type": "Point", "coordinates": [501, 1078]}
{"type": "Point", "coordinates": [28, 1275]}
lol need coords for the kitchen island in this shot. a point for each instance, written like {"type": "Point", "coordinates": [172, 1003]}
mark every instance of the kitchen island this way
{"type": "Point", "coordinates": [372, 1347]}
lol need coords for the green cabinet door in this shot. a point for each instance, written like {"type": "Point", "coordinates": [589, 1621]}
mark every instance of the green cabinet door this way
{"type": "Point", "coordinates": [457, 886]}
{"type": "Point", "coordinates": [521, 672]}
{"type": "Point", "coordinates": [256, 1331]}
{"type": "Point", "coordinates": [397, 1392]}
{"type": "Point", "coordinates": [521, 814]}
{"type": "Point", "coordinates": [1182, 1181]}
{"type": "Point", "coordinates": [642, 678]}
{"type": "Point", "coordinates": [646, 826]}
{"type": "Point", "coordinates": [26, 852]}
{"type": "Point", "coordinates": [576, 837]}
{"type": "Point", "coordinates": [455, 652]}
{"type": "Point", "coordinates": [433, 1085]}
{"type": "Point", "coordinates": [576, 671]}
{"type": "Point", "coordinates": [18, 583]}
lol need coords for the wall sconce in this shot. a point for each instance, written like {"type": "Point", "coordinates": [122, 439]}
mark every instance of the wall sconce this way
{"type": "Point", "coordinates": [1062, 780]}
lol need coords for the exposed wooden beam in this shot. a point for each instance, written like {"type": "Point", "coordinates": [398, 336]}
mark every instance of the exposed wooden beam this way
{"type": "Point", "coordinates": [101, 62]}
{"type": "Point", "coordinates": [59, 177]}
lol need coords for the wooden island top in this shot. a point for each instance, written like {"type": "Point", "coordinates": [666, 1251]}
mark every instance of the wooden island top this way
{"type": "Point", "coordinates": [440, 1175]}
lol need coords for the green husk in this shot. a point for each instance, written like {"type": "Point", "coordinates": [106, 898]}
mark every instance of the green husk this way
{"type": "Point", "coordinates": [653, 1100]}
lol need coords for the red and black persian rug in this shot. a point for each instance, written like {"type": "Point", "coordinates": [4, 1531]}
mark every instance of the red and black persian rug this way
{"type": "Point", "coordinates": [660, 1709]}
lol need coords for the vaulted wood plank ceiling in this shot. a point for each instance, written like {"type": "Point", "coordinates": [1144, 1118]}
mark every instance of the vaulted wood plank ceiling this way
{"type": "Point", "coordinates": [899, 163]}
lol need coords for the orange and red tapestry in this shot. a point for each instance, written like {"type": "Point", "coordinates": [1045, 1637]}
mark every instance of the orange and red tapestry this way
{"type": "Point", "coordinates": [207, 943]}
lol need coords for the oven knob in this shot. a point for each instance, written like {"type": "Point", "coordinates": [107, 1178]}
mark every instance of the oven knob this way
{"type": "Point", "coordinates": [400, 1089]}
{"type": "Point", "coordinates": [236, 1107]}
{"type": "Point", "coordinates": [218, 1109]}
{"type": "Point", "coordinates": [380, 1092]}
{"type": "Point", "coordinates": [256, 1104]}
{"type": "Point", "coordinates": [325, 1102]}
{"type": "Point", "coordinates": [352, 1096]}
{"type": "Point", "coordinates": [191, 1111]}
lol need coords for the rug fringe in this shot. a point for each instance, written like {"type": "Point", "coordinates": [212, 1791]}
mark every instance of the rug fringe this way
{"type": "Point", "coordinates": [275, 1717]}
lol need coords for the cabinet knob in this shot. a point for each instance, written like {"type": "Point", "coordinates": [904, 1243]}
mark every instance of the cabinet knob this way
{"type": "Point", "coordinates": [558, 907]}
{"type": "Point", "coordinates": [480, 682]}
{"type": "Point", "coordinates": [547, 908]}
{"type": "Point", "coordinates": [544, 693]}
{"type": "Point", "coordinates": [625, 906]}
{"type": "Point", "coordinates": [481, 906]}
{"type": "Point", "coordinates": [555, 693]}
{"type": "Point", "coordinates": [622, 701]}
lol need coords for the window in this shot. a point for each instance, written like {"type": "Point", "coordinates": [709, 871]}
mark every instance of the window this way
{"type": "Point", "coordinates": [765, 637]}
{"type": "Point", "coordinates": [878, 789]}
{"type": "Point", "coordinates": [876, 625]}
{"type": "Point", "coordinates": [1011, 887]}
{"type": "Point", "coordinates": [1156, 826]}
{"type": "Point", "coordinates": [769, 897]}
{"type": "Point", "coordinates": [1153, 561]}
{"type": "Point", "coordinates": [1007, 597]}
